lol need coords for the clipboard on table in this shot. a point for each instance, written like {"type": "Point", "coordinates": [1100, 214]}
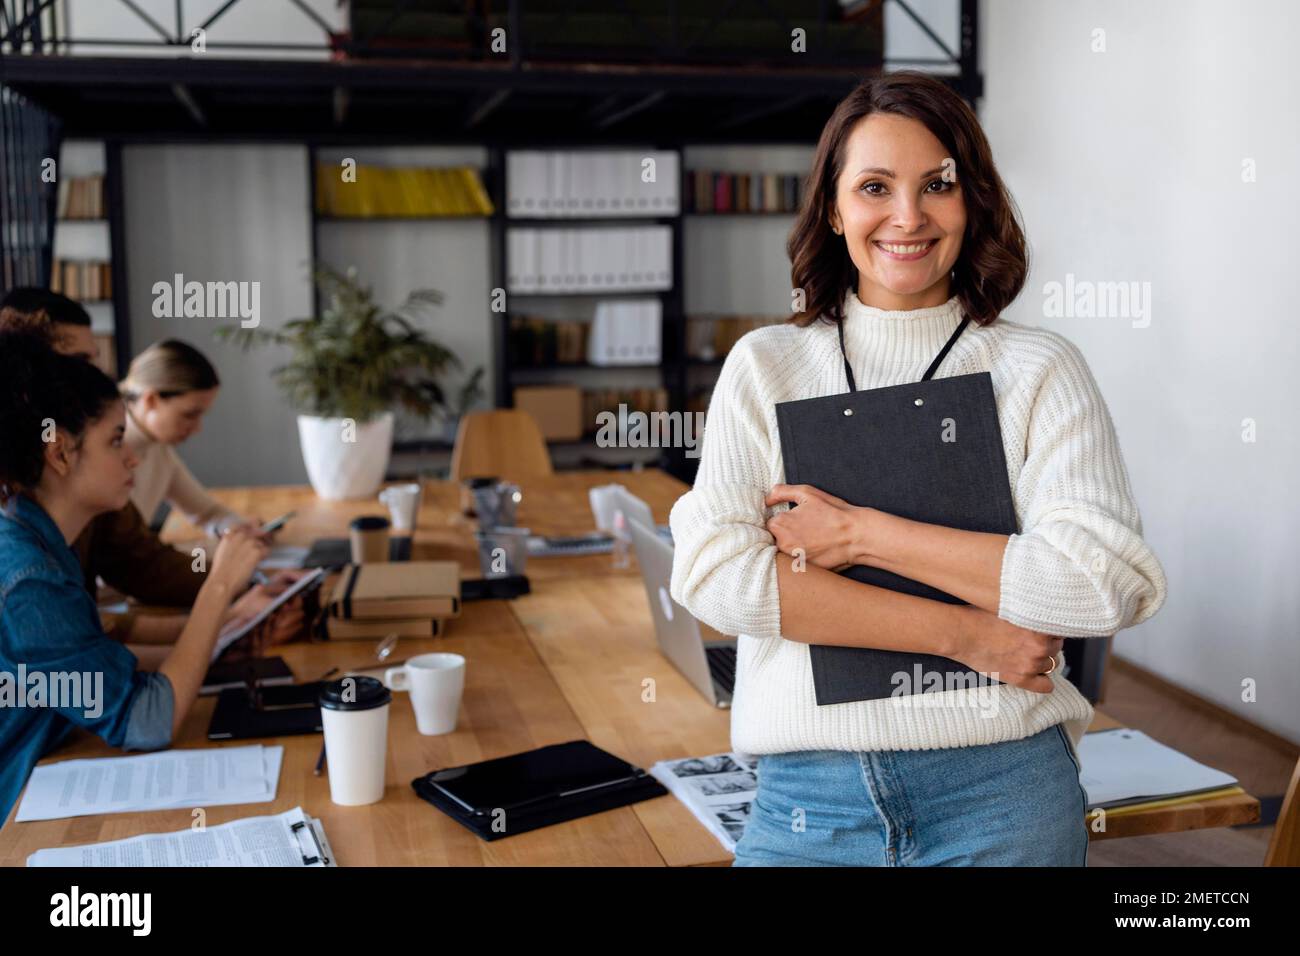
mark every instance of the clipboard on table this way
{"type": "Point", "coordinates": [929, 451]}
{"type": "Point", "coordinates": [525, 791]}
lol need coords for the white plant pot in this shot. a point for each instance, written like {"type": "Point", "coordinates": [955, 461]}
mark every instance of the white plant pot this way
{"type": "Point", "coordinates": [345, 460]}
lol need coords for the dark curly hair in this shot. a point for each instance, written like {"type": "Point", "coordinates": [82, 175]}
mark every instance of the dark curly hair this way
{"type": "Point", "coordinates": [38, 385]}
{"type": "Point", "coordinates": [993, 263]}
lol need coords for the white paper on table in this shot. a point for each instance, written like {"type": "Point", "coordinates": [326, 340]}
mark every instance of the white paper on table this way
{"type": "Point", "coordinates": [167, 780]}
{"type": "Point", "coordinates": [1126, 766]}
{"type": "Point", "coordinates": [252, 841]}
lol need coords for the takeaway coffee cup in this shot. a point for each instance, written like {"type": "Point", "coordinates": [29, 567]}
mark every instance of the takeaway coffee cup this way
{"type": "Point", "coordinates": [369, 536]}
{"type": "Point", "coordinates": [435, 683]}
{"type": "Point", "coordinates": [354, 714]}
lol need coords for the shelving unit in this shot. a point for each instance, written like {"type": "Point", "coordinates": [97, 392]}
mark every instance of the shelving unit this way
{"type": "Point", "coordinates": [578, 305]}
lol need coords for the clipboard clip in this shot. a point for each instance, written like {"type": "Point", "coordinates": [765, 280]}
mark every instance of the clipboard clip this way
{"type": "Point", "coordinates": [320, 856]}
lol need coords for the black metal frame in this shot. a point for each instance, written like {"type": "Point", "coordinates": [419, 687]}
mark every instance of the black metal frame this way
{"type": "Point", "coordinates": [35, 24]}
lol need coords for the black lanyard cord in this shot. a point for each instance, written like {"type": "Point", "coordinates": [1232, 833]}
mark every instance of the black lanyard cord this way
{"type": "Point", "coordinates": [848, 372]}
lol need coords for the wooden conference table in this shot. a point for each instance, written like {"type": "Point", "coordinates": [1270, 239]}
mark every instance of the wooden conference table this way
{"type": "Point", "coordinates": [567, 661]}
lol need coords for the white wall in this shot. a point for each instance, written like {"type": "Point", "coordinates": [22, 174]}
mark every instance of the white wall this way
{"type": "Point", "coordinates": [1127, 165]}
{"type": "Point", "coordinates": [224, 213]}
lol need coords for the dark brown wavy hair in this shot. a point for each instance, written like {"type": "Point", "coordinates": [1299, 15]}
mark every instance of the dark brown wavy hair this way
{"type": "Point", "coordinates": [991, 267]}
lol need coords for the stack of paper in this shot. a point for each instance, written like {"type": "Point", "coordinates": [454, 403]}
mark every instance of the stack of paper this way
{"type": "Point", "coordinates": [1124, 766]}
{"type": "Point", "coordinates": [289, 839]}
{"type": "Point", "coordinates": [168, 780]}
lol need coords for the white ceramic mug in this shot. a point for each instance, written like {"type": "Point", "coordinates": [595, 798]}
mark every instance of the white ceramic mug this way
{"type": "Point", "coordinates": [403, 503]}
{"type": "Point", "coordinates": [604, 502]}
{"type": "Point", "coordinates": [435, 683]}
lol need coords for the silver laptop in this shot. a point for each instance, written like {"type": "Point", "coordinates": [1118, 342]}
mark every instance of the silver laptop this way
{"type": "Point", "coordinates": [706, 658]}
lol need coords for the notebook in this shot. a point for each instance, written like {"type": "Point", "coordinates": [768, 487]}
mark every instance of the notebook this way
{"type": "Point", "coordinates": [407, 590]}
{"type": "Point", "coordinates": [336, 629]}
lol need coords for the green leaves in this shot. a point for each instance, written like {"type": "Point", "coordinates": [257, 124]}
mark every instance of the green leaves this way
{"type": "Point", "coordinates": [355, 360]}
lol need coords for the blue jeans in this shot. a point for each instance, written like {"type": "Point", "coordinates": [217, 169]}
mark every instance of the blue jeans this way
{"type": "Point", "coordinates": [1015, 803]}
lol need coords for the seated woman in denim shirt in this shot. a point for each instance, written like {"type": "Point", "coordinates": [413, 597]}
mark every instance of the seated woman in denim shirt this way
{"type": "Point", "coordinates": [63, 461]}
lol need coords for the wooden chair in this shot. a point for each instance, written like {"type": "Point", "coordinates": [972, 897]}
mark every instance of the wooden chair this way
{"type": "Point", "coordinates": [505, 442]}
{"type": "Point", "coordinates": [1284, 847]}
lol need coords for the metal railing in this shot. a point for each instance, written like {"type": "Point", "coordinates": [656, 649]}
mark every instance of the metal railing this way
{"type": "Point", "coordinates": [668, 34]}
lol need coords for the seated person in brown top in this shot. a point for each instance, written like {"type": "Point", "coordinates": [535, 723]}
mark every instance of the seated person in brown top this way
{"type": "Point", "coordinates": [118, 546]}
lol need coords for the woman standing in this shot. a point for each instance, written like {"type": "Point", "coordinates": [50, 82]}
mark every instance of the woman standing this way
{"type": "Point", "coordinates": [62, 462]}
{"type": "Point", "coordinates": [906, 231]}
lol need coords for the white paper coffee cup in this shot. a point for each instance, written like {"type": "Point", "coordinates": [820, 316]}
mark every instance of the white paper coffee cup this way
{"type": "Point", "coordinates": [354, 714]}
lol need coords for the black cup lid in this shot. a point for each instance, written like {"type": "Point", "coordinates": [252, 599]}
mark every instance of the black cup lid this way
{"type": "Point", "coordinates": [481, 481]}
{"type": "Point", "coordinates": [370, 523]}
{"type": "Point", "coordinates": [354, 693]}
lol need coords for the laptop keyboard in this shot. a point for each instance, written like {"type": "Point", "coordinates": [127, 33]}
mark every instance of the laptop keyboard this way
{"type": "Point", "coordinates": [544, 546]}
{"type": "Point", "coordinates": [722, 666]}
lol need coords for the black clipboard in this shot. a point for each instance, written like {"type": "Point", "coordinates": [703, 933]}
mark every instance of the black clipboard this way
{"type": "Point", "coordinates": [930, 451]}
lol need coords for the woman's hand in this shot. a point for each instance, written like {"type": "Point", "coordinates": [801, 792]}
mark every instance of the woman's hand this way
{"type": "Point", "coordinates": [1013, 655]}
{"type": "Point", "coordinates": [237, 557]}
{"type": "Point", "coordinates": [287, 623]}
{"type": "Point", "coordinates": [828, 529]}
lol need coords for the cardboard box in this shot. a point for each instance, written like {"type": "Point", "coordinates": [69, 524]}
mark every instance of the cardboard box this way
{"type": "Point", "coordinates": [557, 409]}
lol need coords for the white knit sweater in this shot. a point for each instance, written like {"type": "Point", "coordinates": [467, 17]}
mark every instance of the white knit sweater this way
{"type": "Point", "coordinates": [1079, 567]}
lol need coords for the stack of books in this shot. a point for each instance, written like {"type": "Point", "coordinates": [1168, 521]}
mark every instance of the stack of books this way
{"type": "Point", "coordinates": [710, 191]}
{"type": "Point", "coordinates": [647, 400]}
{"type": "Point", "coordinates": [87, 281]}
{"type": "Point", "coordinates": [81, 197]}
{"type": "Point", "coordinates": [407, 598]}
{"type": "Point", "coordinates": [539, 342]}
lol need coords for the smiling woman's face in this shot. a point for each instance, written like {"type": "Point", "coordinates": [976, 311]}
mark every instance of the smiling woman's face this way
{"type": "Point", "coordinates": [902, 221]}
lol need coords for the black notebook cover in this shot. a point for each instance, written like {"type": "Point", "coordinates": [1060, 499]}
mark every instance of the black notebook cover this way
{"type": "Point", "coordinates": [940, 462]}
{"type": "Point", "coordinates": [591, 779]}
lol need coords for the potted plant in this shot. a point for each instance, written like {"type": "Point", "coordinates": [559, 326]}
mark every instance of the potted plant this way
{"type": "Point", "coordinates": [348, 369]}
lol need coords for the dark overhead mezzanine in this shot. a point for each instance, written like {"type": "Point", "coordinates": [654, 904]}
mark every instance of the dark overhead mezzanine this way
{"type": "Point", "coordinates": [425, 70]}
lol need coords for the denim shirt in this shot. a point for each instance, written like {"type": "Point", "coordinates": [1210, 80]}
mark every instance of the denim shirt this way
{"type": "Point", "coordinates": [57, 666]}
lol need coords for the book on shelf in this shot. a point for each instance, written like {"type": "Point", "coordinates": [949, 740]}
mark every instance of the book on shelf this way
{"type": "Point", "coordinates": [588, 259]}
{"type": "Point", "coordinates": [536, 342]}
{"type": "Point", "coordinates": [81, 197]}
{"type": "Point", "coordinates": [709, 191]}
{"type": "Point", "coordinates": [400, 192]}
{"type": "Point", "coordinates": [710, 337]}
{"type": "Point", "coordinates": [633, 399]}
{"type": "Point", "coordinates": [545, 184]}
{"type": "Point", "coordinates": [88, 281]}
